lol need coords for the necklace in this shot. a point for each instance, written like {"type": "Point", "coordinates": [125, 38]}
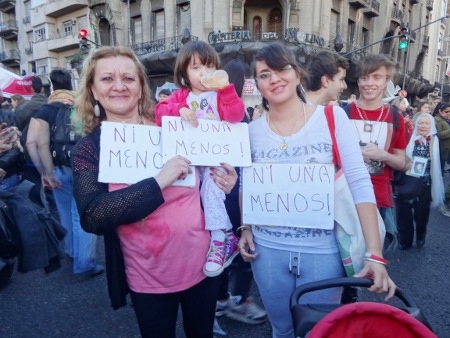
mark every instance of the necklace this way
{"type": "Point", "coordinates": [284, 145]}
{"type": "Point", "coordinates": [368, 127]}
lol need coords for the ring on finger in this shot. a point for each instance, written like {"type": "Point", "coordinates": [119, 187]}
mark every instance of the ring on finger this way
{"type": "Point", "coordinates": [226, 183]}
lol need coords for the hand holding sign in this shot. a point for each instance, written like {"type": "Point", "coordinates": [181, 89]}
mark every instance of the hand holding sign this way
{"type": "Point", "coordinates": [177, 168]}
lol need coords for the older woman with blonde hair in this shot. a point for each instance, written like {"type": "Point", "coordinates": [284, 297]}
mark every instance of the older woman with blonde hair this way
{"type": "Point", "coordinates": [155, 240]}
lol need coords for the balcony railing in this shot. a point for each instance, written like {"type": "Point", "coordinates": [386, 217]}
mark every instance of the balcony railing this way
{"type": "Point", "coordinates": [161, 45]}
{"type": "Point", "coordinates": [7, 6]}
{"type": "Point", "coordinates": [93, 3]}
{"type": "Point", "coordinates": [373, 10]}
{"type": "Point", "coordinates": [397, 15]}
{"type": "Point", "coordinates": [61, 35]}
{"type": "Point", "coordinates": [359, 3]}
{"type": "Point", "coordinates": [11, 57]}
{"type": "Point", "coordinates": [355, 53]}
{"type": "Point", "coordinates": [57, 8]}
{"type": "Point", "coordinates": [62, 42]}
{"type": "Point", "coordinates": [9, 29]}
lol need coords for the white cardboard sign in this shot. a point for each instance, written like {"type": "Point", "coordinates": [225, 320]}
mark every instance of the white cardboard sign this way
{"type": "Point", "coordinates": [130, 153]}
{"type": "Point", "coordinates": [211, 143]}
{"type": "Point", "coordinates": [294, 195]}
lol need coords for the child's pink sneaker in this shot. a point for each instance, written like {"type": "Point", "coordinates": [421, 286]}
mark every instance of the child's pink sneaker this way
{"type": "Point", "coordinates": [214, 260]}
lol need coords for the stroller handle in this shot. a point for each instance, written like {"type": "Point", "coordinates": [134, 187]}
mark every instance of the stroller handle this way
{"type": "Point", "coordinates": [344, 281]}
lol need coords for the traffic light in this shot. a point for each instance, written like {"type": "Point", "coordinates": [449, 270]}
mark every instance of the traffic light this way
{"type": "Point", "coordinates": [82, 35]}
{"type": "Point", "coordinates": [404, 38]}
{"type": "Point", "coordinates": [403, 44]}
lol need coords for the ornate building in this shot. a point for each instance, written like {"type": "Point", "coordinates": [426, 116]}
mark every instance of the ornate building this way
{"type": "Point", "coordinates": [38, 35]}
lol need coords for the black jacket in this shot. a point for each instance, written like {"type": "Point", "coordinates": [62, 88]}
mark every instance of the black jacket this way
{"type": "Point", "coordinates": [12, 162]}
{"type": "Point", "coordinates": [8, 117]}
{"type": "Point", "coordinates": [25, 112]}
{"type": "Point", "coordinates": [38, 234]}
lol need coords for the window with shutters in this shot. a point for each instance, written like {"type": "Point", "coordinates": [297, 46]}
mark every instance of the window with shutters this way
{"type": "Point", "coordinates": [136, 26]}
{"type": "Point", "coordinates": [183, 17]}
{"type": "Point", "coordinates": [158, 25]}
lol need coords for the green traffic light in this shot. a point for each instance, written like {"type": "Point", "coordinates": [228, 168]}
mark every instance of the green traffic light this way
{"type": "Point", "coordinates": [403, 44]}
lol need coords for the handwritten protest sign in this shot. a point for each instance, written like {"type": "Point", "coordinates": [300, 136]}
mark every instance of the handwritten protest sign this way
{"type": "Point", "coordinates": [131, 152]}
{"type": "Point", "coordinates": [295, 195]}
{"type": "Point", "coordinates": [211, 143]}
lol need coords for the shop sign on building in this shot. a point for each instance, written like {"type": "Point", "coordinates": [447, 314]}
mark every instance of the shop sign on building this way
{"type": "Point", "coordinates": [218, 37]}
{"type": "Point", "coordinates": [294, 35]}
{"type": "Point", "coordinates": [214, 37]}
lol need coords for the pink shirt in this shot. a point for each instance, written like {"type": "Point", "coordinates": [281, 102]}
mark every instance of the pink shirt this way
{"type": "Point", "coordinates": [166, 251]}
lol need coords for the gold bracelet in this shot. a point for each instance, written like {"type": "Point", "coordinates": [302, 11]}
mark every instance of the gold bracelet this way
{"type": "Point", "coordinates": [242, 228]}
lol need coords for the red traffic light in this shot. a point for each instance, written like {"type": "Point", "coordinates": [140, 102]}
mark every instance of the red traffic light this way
{"type": "Point", "coordinates": [82, 33]}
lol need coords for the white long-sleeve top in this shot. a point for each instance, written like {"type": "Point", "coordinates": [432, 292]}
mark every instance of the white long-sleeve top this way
{"type": "Point", "coordinates": [312, 143]}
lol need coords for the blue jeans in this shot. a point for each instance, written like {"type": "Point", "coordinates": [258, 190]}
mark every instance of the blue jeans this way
{"type": "Point", "coordinates": [389, 220]}
{"type": "Point", "coordinates": [10, 183]}
{"type": "Point", "coordinates": [78, 244]}
{"type": "Point", "coordinates": [276, 284]}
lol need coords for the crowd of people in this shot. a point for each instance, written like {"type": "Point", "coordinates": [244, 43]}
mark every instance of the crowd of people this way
{"type": "Point", "coordinates": [173, 246]}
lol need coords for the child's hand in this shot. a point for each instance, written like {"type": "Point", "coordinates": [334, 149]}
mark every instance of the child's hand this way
{"type": "Point", "coordinates": [189, 115]}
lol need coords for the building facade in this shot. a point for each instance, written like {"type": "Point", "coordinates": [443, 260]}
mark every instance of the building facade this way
{"type": "Point", "coordinates": [39, 35]}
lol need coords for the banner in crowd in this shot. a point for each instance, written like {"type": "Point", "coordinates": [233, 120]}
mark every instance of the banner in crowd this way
{"type": "Point", "coordinates": [130, 153]}
{"type": "Point", "coordinates": [211, 143]}
{"type": "Point", "coordinates": [11, 84]}
{"type": "Point", "coordinates": [291, 195]}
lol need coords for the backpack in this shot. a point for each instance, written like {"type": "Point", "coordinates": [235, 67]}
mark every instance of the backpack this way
{"type": "Point", "coordinates": [63, 135]}
{"type": "Point", "coordinates": [394, 110]}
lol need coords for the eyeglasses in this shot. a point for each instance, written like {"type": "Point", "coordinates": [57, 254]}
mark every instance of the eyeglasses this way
{"type": "Point", "coordinates": [267, 76]}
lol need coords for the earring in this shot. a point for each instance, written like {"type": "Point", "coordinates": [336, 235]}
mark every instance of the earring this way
{"type": "Point", "coordinates": [96, 109]}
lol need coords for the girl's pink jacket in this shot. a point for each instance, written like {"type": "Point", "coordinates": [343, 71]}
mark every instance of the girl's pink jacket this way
{"type": "Point", "coordinates": [230, 105]}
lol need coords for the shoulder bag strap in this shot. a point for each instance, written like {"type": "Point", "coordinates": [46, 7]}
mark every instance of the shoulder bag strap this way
{"type": "Point", "coordinates": [331, 127]}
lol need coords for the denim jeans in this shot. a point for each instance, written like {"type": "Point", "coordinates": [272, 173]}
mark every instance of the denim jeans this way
{"type": "Point", "coordinates": [78, 244]}
{"type": "Point", "coordinates": [389, 220]}
{"type": "Point", "coordinates": [276, 284]}
{"type": "Point", "coordinates": [10, 183]}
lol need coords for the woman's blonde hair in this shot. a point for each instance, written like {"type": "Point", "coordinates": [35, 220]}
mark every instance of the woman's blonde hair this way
{"type": "Point", "coordinates": [85, 102]}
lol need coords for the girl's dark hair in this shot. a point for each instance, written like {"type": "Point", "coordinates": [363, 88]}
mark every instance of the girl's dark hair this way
{"type": "Point", "coordinates": [276, 56]}
{"type": "Point", "coordinates": [440, 106]}
{"type": "Point", "coordinates": [206, 54]}
{"type": "Point", "coordinates": [236, 74]}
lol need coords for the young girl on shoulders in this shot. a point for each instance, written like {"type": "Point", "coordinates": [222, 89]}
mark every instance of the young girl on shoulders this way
{"type": "Point", "coordinates": [205, 93]}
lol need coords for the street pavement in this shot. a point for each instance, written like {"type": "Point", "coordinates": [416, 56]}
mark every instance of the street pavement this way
{"type": "Point", "coordinates": [59, 305]}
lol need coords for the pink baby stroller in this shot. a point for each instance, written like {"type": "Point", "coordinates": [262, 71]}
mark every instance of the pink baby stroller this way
{"type": "Point", "coordinates": [361, 319]}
